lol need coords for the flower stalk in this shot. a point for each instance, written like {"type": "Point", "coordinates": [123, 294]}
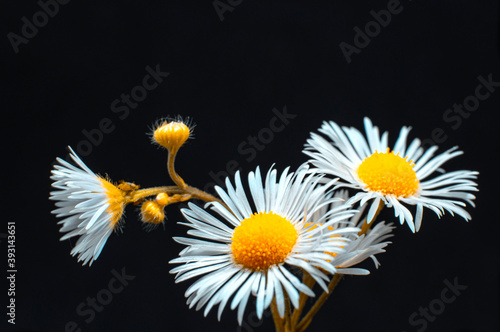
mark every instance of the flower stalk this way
{"type": "Point", "coordinates": [297, 326]}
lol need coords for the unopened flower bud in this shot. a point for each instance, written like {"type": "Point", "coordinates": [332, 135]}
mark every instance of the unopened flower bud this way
{"type": "Point", "coordinates": [162, 199]}
{"type": "Point", "coordinates": [171, 135]}
{"type": "Point", "coordinates": [152, 212]}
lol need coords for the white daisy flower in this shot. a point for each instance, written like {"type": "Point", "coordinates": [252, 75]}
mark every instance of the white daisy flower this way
{"type": "Point", "coordinates": [249, 249]}
{"type": "Point", "coordinates": [361, 247]}
{"type": "Point", "coordinates": [91, 206]}
{"type": "Point", "coordinates": [395, 178]}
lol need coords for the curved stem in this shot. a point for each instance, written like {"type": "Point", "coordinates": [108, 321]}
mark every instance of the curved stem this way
{"type": "Point", "coordinates": [171, 169]}
{"type": "Point", "coordinates": [183, 187]}
{"type": "Point", "coordinates": [304, 323]}
{"type": "Point", "coordinates": [140, 194]}
{"type": "Point", "coordinates": [204, 196]}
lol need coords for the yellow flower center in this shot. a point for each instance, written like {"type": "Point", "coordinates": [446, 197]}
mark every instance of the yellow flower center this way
{"type": "Point", "coordinates": [116, 201]}
{"type": "Point", "coordinates": [389, 174]}
{"type": "Point", "coordinates": [263, 240]}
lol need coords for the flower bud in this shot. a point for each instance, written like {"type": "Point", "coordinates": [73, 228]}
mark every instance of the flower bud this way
{"type": "Point", "coordinates": [171, 134]}
{"type": "Point", "coordinates": [152, 212]}
{"type": "Point", "coordinates": [163, 199]}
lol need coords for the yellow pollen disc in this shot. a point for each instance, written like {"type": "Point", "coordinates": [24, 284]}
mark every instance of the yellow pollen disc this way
{"type": "Point", "coordinates": [389, 174]}
{"type": "Point", "coordinates": [263, 240]}
{"type": "Point", "coordinates": [116, 200]}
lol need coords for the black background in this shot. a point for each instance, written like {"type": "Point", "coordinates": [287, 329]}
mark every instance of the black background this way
{"type": "Point", "coordinates": [228, 75]}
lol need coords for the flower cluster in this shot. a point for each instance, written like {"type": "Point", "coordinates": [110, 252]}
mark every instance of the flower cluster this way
{"type": "Point", "coordinates": [292, 231]}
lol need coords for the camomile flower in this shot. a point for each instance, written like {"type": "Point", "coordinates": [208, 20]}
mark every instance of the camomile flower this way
{"type": "Point", "coordinates": [361, 247]}
{"type": "Point", "coordinates": [396, 177]}
{"type": "Point", "coordinates": [91, 206]}
{"type": "Point", "coordinates": [253, 245]}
